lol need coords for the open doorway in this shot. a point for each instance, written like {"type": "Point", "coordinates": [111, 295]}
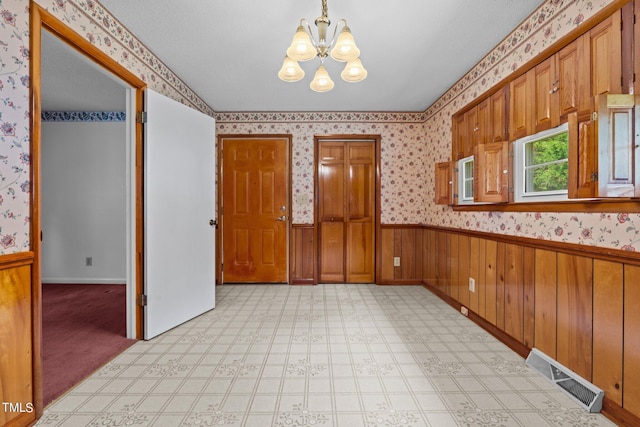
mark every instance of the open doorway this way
{"type": "Point", "coordinates": [85, 219]}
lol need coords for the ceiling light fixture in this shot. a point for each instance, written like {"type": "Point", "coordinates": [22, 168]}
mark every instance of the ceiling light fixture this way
{"type": "Point", "coordinates": [304, 47]}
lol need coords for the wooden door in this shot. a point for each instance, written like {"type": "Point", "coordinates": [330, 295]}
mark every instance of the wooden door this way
{"type": "Point", "coordinates": [255, 211]}
{"type": "Point", "coordinates": [346, 187]}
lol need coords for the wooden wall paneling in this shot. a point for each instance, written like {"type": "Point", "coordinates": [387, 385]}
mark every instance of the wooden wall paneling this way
{"type": "Point", "coordinates": [514, 291]}
{"type": "Point", "coordinates": [443, 283]}
{"type": "Point", "coordinates": [388, 252]}
{"type": "Point", "coordinates": [418, 248]}
{"type": "Point", "coordinates": [428, 257]}
{"type": "Point", "coordinates": [474, 268]}
{"type": "Point", "coordinates": [408, 254]}
{"type": "Point", "coordinates": [301, 254]}
{"type": "Point", "coordinates": [631, 381]}
{"type": "Point", "coordinates": [464, 262]}
{"type": "Point", "coordinates": [500, 284]}
{"type": "Point", "coordinates": [575, 328]}
{"type": "Point", "coordinates": [491, 281]}
{"type": "Point", "coordinates": [608, 306]}
{"type": "Point", "coordinates": [529, 297]}
{"type": "Point", "coordinates": [546, 289]}
{"type": "Point", "coordinates": [481, 280]}
{"type": "Point", "coordinates": [16, 374]}
{"type": "Point", "coordinates": [397, 252]}
{"type": "Point", "coordinates": [454, 265]}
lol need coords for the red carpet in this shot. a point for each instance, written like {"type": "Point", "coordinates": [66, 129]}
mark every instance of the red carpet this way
{"type": "Point", "coordinates": [83, 327]}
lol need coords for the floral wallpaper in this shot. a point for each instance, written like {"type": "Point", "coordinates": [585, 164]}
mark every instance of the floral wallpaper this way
{"type": "Point", "coordinates": [15, 184]}
{"type": "Point", "coordinates": [402, 154]}
{"type": "Point", "coordinates": [411, 142]}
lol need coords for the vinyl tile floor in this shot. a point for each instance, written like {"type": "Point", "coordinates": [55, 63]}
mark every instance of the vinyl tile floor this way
{"type": "Point", "coordinates": [326, 355]}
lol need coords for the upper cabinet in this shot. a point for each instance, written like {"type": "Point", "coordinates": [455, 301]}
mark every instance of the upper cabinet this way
{"type": "Point", "coordinates": [484, 123]}
{"type": "Point", "coordinates": [605, 42]}
{"type": "Point", "coordinates": [588, 82]}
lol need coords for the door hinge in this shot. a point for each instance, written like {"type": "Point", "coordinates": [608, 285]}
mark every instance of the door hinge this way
{"type": "Point", "coordinates": [221, 267]}
{"type": "Point", "coordinates": [142, 300]}
{"type": "Point", "coordinates": [594, 116]}
{"type": "Point", "coordinates": [141, 117]}
{"type": "Point", "coordinates": [594, 176]}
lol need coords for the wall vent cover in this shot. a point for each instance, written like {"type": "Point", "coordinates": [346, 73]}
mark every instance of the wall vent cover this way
{"type": "Point", "coordinates": [582, 391]}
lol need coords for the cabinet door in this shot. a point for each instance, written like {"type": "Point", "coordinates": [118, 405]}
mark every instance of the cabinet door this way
{"type": "Point", "coordinates": [483, 114]}
{"type": "Point", "coordinates": [572, 67]}
{"type": "Point", "coordinates": [444, 183]}
{"type": "Point", "coordinates": [458, 133]}
{"type": "Point", "coordinates": [616, 145]}
{"type": "Point", "coordinates": [605, 41]}
{"type": "Point", "coordinates": [582, 158]}
{"type": "Point", "coordinates": [546, 99]}
{"type": "Point", "coordinates": [520, 109]}
{"type": "Point", "coordinates": [492, 172]}
{"type": "Point", "coordinates": [471, 137]}
{"type": "Point", "coordinates": [498, 112]}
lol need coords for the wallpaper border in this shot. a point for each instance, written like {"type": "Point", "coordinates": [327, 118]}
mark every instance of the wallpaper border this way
{"type": "Point", "coordinates": [84, 116]}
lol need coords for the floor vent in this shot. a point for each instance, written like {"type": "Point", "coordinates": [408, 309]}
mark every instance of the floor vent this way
{"type": "Point", "coordinates": [582, 391]}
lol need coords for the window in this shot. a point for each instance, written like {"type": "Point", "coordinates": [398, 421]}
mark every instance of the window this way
{"type": "Point", "coordinates": [465, 181]}
{"type": "Point", "coordinates": [541, 166]}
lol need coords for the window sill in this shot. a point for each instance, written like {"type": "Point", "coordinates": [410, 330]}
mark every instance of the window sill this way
{"type": "Point", "coordinates": [585, 206]}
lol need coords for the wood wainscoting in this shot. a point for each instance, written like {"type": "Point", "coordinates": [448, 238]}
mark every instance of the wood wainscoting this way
{"type": "Point", "coordinates": [578, 304]}
{"type": "Point", "coordinates": [402, 255]}
{"type": "Point", "coordinates": [17, 337]}
{"type": "Point", "coordinates": [302, 255]}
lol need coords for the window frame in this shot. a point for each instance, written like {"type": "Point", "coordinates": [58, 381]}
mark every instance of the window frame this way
{"type": "Point", "coordinates": [462, 179]}
{"type": "Point", "coordinates": [520, 195]}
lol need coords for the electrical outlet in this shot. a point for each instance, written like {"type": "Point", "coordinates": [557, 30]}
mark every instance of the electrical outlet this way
{"type": "Point", "coordinates": [396, 261]}
{"type": "Point", "coordinates": [472, 284]}
{"type": "Point", "coordinates": [89, 261]}
{"type": "Point", "coordinates": [464, 310]}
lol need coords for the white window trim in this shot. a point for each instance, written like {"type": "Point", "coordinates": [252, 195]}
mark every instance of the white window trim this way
{"type": "Point", "coordinates": [461, 181]}
{"type": "Point", "coordinates": [519, 169]}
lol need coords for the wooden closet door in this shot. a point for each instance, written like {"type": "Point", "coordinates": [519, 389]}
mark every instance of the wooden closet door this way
{"type": "Point", "coordinates": [331, 209]}
{"type": "Point", "coordinates": [360, 222]}
{"type": "Point", "coordinates": [346, 211]}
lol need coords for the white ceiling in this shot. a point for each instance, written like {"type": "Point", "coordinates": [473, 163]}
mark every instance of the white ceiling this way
{"type": "Point", "coordinates": [229, 51]}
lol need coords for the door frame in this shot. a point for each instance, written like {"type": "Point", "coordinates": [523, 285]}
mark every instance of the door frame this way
{"type": "Point", "coordinates": [41, 19]}
{"type": "Point", "coordinates": [376, 139]}
{"type": "Point", "coordinates": [220, 185]}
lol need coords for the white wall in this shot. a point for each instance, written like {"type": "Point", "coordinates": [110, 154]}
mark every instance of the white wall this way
{"type": "Point", "coordinates": [83, 202]}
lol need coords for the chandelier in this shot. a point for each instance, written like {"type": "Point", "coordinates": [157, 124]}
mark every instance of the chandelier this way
{"type": "Point", "coordinates": [304, 47]}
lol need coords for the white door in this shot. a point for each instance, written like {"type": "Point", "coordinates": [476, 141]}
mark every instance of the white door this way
{"type": "Point", "coordinates": [179, 203]}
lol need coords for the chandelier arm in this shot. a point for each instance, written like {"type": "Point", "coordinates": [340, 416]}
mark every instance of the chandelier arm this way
{"type": "Point", "coordinates": [305, 24]}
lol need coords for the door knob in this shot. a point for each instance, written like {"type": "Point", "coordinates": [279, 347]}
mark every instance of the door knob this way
{"type": "Point", "coordinates": [282, 218]}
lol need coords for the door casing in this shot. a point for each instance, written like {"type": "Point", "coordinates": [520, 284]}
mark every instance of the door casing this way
{"type": "Point", "coordinates": [377, 243]}
{"type": "Point", "coordinates": [42, 19]}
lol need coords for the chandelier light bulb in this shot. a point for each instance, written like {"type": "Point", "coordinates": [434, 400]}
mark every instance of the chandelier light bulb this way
{"type": "Point", "coordinates": [345, 48]}
{"type": "Point", "coordinates": [322, 81]}
{"type": "Point", "coordinates": [354, 71]}
{"type": "Point", "coordinates": [301, 48]}
{"type": "Point", "coordinates": [290, 71]}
